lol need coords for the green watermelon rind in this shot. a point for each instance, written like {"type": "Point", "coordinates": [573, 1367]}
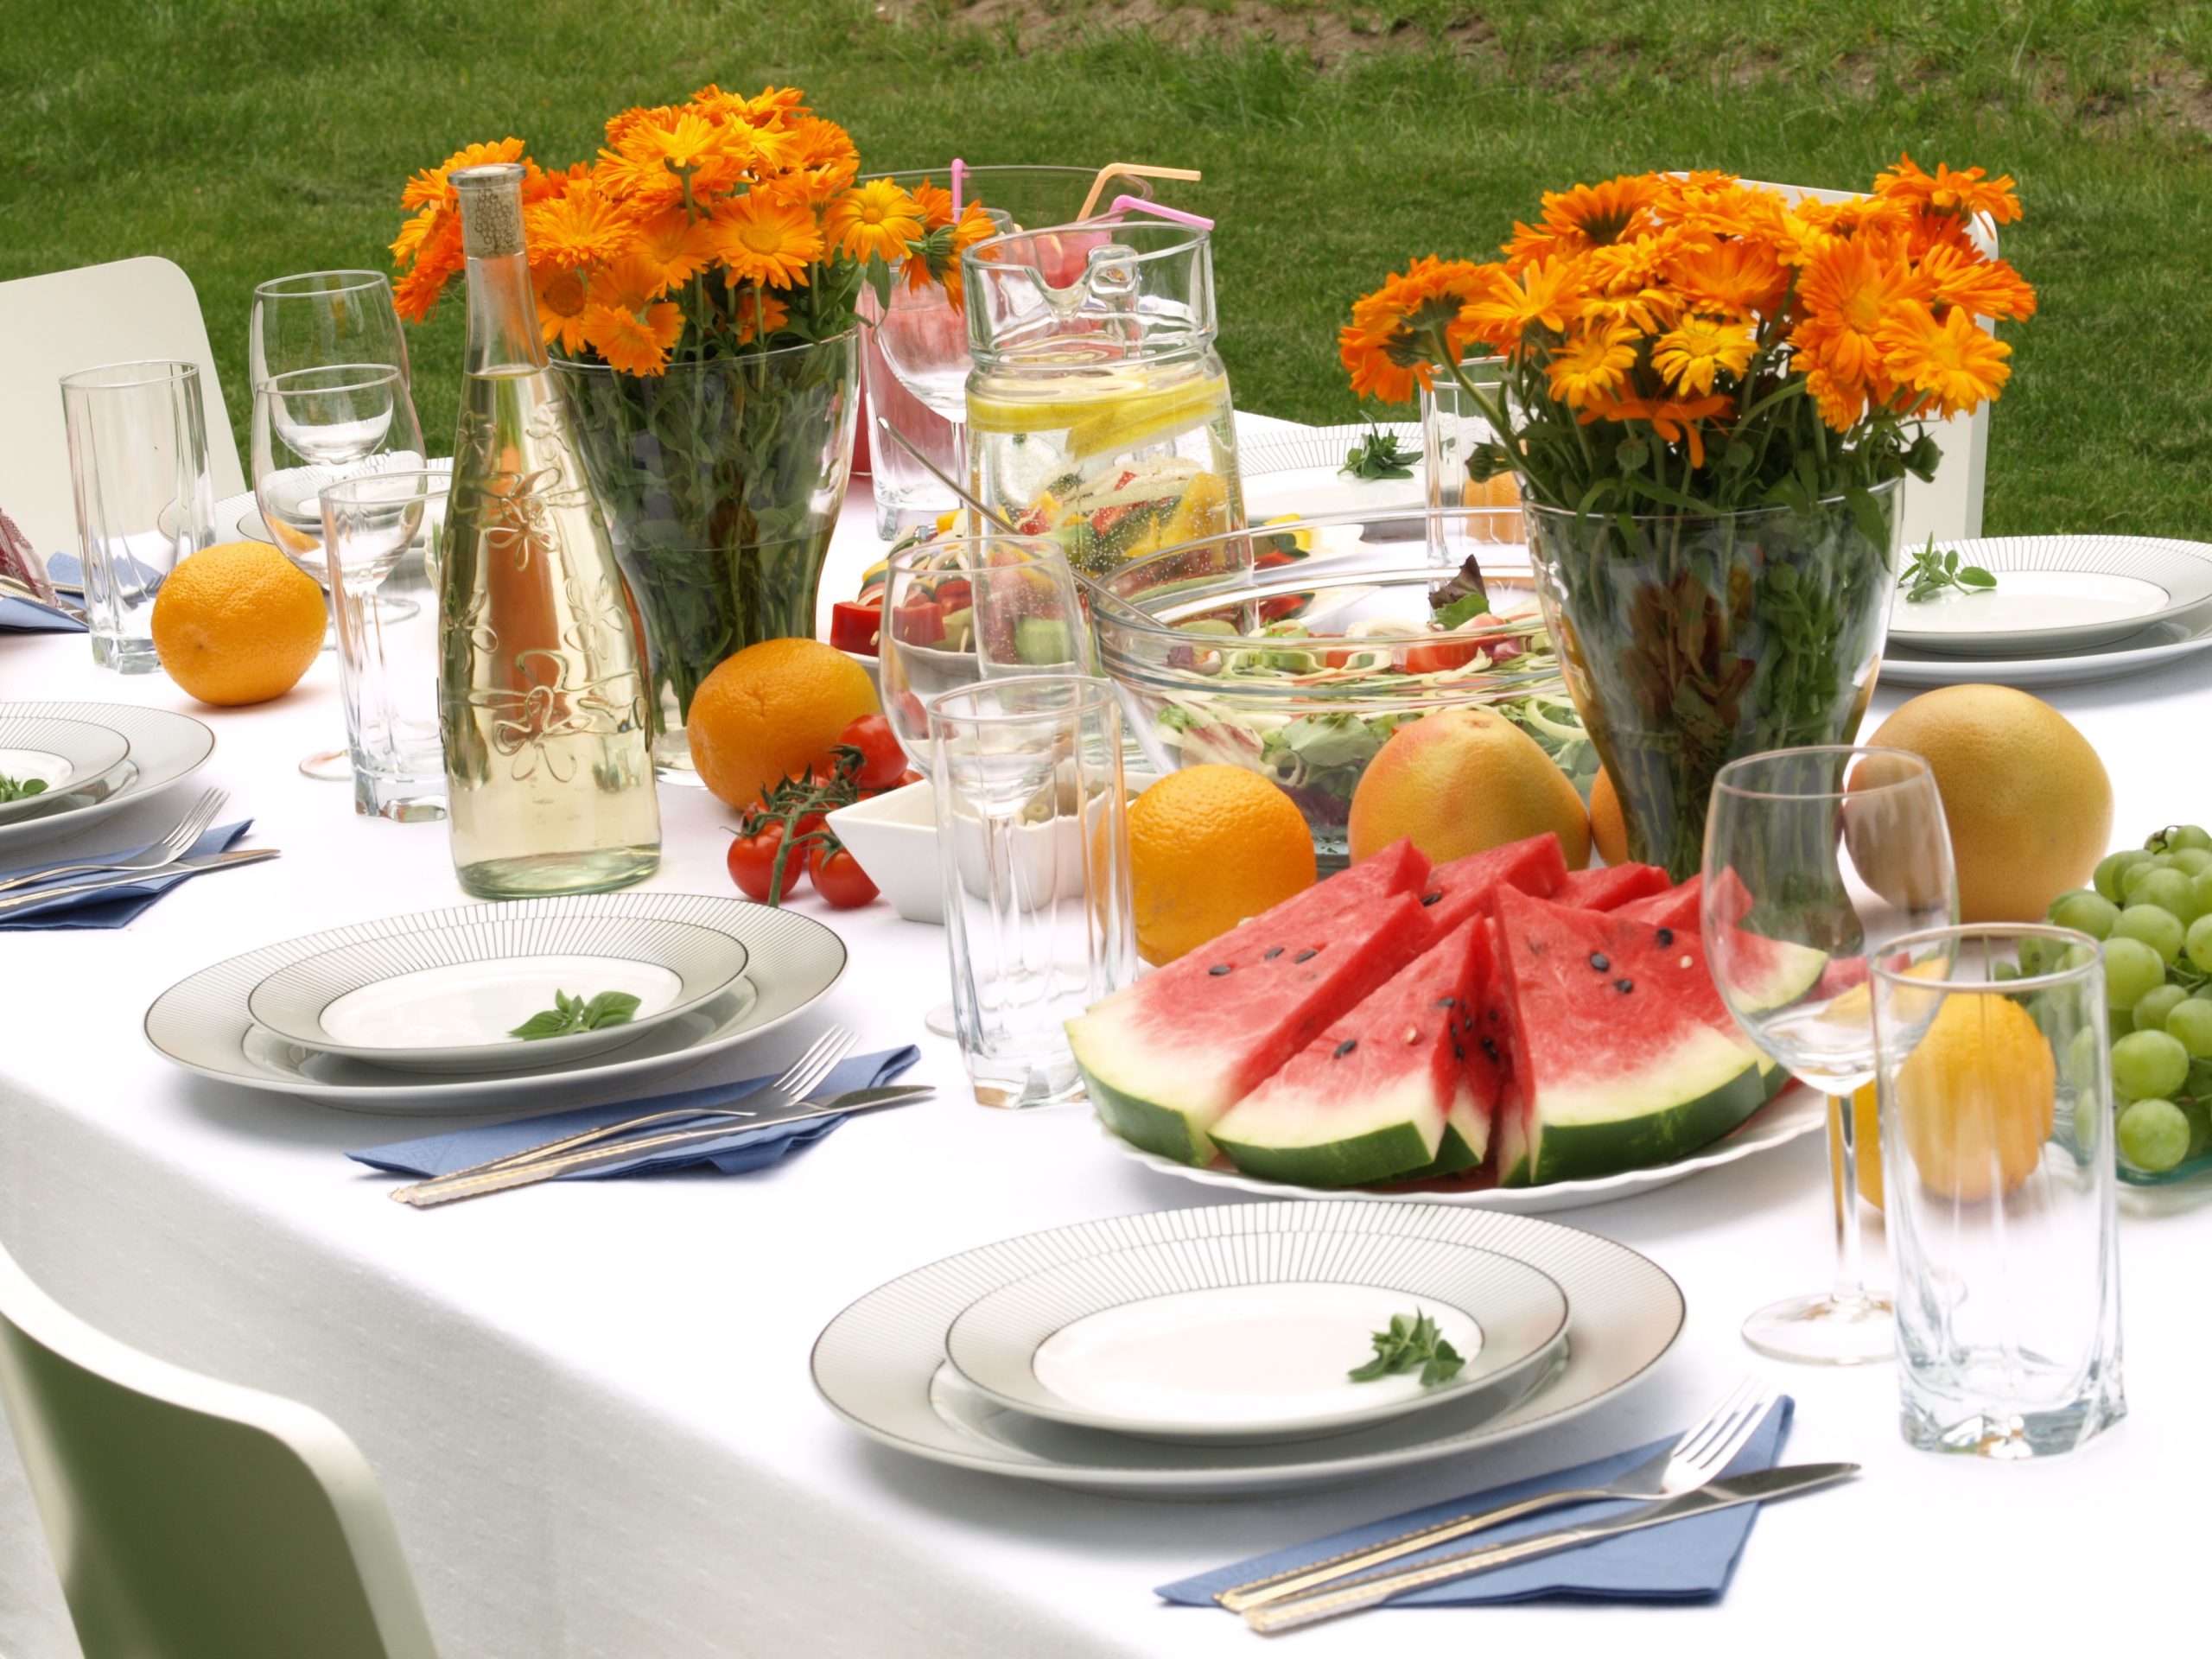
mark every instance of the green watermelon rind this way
{"type": "Point", "coordinates": [1172, 1132]}
{"type": "Point", "coordinates": [1388, 1152]}
{"type": "Point", "coordinates": [1705, 1089]}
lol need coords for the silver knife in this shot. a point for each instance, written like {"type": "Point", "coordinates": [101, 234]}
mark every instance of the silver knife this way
{"type": "Point", "coordinates": [523, 1169]}
{"type": "Point", "coordinates": [187, 866]}
{"type": "Point", "coordinates": [1371, 1590]}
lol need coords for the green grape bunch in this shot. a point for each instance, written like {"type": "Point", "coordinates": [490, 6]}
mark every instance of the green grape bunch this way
{"type": "Point", "coordinates": [2152, 908]}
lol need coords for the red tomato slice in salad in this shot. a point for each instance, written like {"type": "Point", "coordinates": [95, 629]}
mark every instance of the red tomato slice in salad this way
{"type": "Point", "coordinates": [919, 622]}
{"type": "Point", "coordinates": [854, 626]}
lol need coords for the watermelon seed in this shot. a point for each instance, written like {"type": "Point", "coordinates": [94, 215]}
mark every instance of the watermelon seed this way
{"type": "Point", "coordinates": [1218, 969]}
{"type": "Point", "coordinates": [1491, 1049]}
{"type": "Point", "coordinates": [1346, 1046]}
{"type": "Point", "coordinates": [1307, 956]}
{"type": "Point", "coordinates": [1666, 937]}
{"type": "Point", "coordinates": [1599, 961]}
{"type": "Point", "coordinates": [1624, 986]}
{"type": "Point", "coordinates": [1447, 1001]}
{"type": "Point", "coordinates": [1412, 1033]}
{"type": "Point", "coordinates": [1430, 898]}
{"type": "Point", "coordinates": [1273, 954]}
{"type": "Point", "coordinates": [1458, 1053]}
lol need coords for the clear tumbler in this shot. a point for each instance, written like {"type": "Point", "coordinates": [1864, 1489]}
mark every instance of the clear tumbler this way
{"type": "Point", "coordinates": [1999, 1186]}
{"type": "Point", "coordinates": [1033, 840]}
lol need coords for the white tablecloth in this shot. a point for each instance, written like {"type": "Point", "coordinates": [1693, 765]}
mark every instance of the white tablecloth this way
{"type": "Point", "coordinates": [589, 1404]}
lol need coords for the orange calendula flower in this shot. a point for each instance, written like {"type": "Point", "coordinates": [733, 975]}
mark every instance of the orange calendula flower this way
{"type": "Point", "coordinates": [633, 342]}
{"type": "Point", "coordinates": [439, 259]}
{"type": "Point", "coordinates": [1741, 278]}
{"type": "Point", "coordinates": [1697, 348]}
{"type": "Point", "coordinates": [1674, 420]}
{"type": "Point", "coordinates": [1950, 359]}
{"type": "Point", "coordinates": [578, 227]}
{"type": "Point", "coordinates": [1594, 363]}
{"type": "Point", "coordinates": [1841, 406]}
{"type": "Point", "coordinates": [874, 220]}
{"type": "Point", "coordinates": [561, 303]}
{"type": "Point", "coordinates": [1588, 216]}
{"type": "Point", "coordinates": [433, 185]}
{"type": "Point", "coordinates": [1961, 194]}
{"type": "Point", "coordinates": [1544, 295]}
{"type": "Point", "coordinates": [758, 314]}
{"type": "Point", "coordinates": [678, 245]}
{"type": "Point", "coordinates": [1847, 290]}
{"type": "Point", "coordinates": [757, 239]}
{"type": "Point", "coordinates": [1987, 288]}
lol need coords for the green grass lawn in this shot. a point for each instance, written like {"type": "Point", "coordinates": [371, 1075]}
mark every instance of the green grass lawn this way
{"type": "Point", "coordinates": [248, 140]}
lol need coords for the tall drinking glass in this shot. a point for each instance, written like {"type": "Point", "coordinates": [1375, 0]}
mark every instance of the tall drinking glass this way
{"type": "Point", "coordinates": [1031, 823]}
{"type": "Point", "coordinates": [311, 429]}
{"type": "Point", "coordinates": [1814, 859]}
{"type": "Point", "coordinates": [145, 498]}
{"type": "Point", "coordinates": [1998, 1181]}
{"type": "Point", "coordinates": [955, 614]}
{"type": "Point", "coordinates": [381, 530]}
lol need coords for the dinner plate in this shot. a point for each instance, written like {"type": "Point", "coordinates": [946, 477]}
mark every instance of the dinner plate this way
{"type": "Point", "coordinates": [448, 999]}
{"type": "Point", "coordinates": [203, 1022]}
{"type": "Point", "coordinates": [880, 1363]}
{"type": "Point", "coordinates": [1253, 1338]}
{"type": "Point", "coordinates": [165, 749]}
{"type": "Point", "coordinates": [1796, 1110]}
{"type": "Point", "coordinates": [1302, 472]}
{"type": "Point", "coordinates": [2156, 647]}
{"type": "Point", "coordinates": [79, 763]}
{"type": "Point", "coordinates": [2055, 593]}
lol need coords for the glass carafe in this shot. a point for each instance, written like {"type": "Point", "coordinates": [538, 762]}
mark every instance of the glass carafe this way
{"type": "Point", "coordinates": [1098, 411]}
{"type": "Point", "coordinates": [549, 765]}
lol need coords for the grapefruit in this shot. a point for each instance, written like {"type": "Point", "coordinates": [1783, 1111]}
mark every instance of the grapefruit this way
{"type": "Point", "coordinates": [2028, 801]}
{"type": "Point", "coordinates": [1461, 781]}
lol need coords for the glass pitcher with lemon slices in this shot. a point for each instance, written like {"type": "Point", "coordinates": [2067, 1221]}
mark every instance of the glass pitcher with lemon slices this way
{"type": "Point", "coordinates": [1098, 409]}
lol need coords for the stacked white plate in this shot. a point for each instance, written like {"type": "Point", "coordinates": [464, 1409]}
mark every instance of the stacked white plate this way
{"type": "Point", "coordinates": [95, 758]}
{"type": "Point", "coordinates": [1207, 1351]}
{"type": "Point", "coordinates": [418, 1014]}
{"type": "Point", "coordinates": [2065, 609]}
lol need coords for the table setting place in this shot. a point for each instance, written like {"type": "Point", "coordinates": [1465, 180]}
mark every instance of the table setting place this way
{"type": "Point", "coordinates": [1347, 880]}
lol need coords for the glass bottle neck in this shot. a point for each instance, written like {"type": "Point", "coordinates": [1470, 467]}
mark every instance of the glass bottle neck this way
{"type": "Point", "coordinates": [502, 316]}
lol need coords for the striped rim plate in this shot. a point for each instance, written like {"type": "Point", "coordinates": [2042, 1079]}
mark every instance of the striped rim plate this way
{"type": "Point", "coordinates": [2056, 594]}
{"type": "Point", "coordinates": [165, 749]}
{"type": "Point", "coordinates": [880, 1364]}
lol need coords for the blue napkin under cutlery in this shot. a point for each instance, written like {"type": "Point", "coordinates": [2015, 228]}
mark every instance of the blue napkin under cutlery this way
{"type": "Point", "coordinates": [1684, 1561]}
{"type": "Point", "coordinates": [110, 907]}
{"type": "Point", "coordinates": [67, 572]}
{"type": "Point", "coordinates": [19, 615]}
{"type": "Point", "coordinates": [740, 1150]}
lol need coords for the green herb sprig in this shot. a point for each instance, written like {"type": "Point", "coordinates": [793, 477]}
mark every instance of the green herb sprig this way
{"type": "Point", "coordinates": [12, 789]}
{"type": "Point", "coordinates": [569, 1014]}
{"type": "Point", "coordinates": [1931, 574]}
{"type": "Point", "coordinates": [1412, 1340]}
{"type": "Point", "coordinates": [1379, 456]}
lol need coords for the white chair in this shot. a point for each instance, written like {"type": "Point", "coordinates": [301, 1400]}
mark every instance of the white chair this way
{"type": "Point", "coordinates": [65, 320]}
{"type": "Point", "coordinates": [193, 1519]}
{"type": "Point", "coordinates": [1949, 506]}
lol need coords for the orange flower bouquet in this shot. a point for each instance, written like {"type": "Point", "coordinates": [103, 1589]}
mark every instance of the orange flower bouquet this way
{"type": "Point", "coordinates": [697, 284]}
{"type": "Point", "coordinates": [1710, 395]}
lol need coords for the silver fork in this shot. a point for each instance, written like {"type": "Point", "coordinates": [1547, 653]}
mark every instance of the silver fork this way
{"type": "Point", "coordinates": [1696, 1458]}
{"type": "Point", "coordinates": [169, 849]}
{"type": "Point", "coordinates": [804, 1076]}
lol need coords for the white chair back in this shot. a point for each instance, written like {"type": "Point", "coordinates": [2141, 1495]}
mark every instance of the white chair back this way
{"type": "Point", "coordinates": [193, 1519]}
{"type": "Point", "coordinates": [69, 319]}
{"type": "Point", "coordinates": [1949, 506]}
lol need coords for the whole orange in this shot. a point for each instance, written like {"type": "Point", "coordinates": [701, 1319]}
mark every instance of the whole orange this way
{"type": "Point", "coordinates": [1461, 781]}
{"type": "Point", "coordinates": [770, 712]}
{"type": "Point", "coordinates": [1608, 829]}
{"type": "Point", "coordinates": [238, 623]}
{"type": "Point", "coordinates": [1209, 846]}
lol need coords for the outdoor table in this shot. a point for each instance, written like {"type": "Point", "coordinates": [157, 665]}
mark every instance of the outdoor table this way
{"type": "Point", "coordinates": [589, 1403]}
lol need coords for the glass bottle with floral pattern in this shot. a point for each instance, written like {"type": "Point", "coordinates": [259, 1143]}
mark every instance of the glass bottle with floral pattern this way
{"type": "Point", "coordinates": [547, 750]}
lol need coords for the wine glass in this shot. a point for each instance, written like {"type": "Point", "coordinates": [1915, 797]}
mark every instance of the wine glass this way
{"type": "Point", "coordinates": [962, 610]}
{"type": "Point", "coordinates": [1815, 859]}
{"type": "Point", "coordinates": [319, 319]}
{"type": "Point", "coordinates": [312, 427]}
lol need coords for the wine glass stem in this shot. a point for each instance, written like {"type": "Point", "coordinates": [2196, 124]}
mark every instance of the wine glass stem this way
{"type": "Point", "coordinates": [1850, 1273]}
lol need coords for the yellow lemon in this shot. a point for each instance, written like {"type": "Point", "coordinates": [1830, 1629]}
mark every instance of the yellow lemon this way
{"type": "Point", "coordinates": [1976, 1101]}
{"type": "Point", "coordinates": [1608, 829]}
{"type": "Point", "coordinates": [1867, 1145]}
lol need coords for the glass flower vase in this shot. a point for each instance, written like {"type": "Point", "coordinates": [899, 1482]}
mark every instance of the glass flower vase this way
{"type": "Point", "coordinates": [721, 481]}
{"type": "Point", "coordinates": [1688, 640]}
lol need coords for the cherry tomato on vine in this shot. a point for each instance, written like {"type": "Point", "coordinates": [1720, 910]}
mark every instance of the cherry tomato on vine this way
{"type": "Point", "coordinates": [838, 878]}
{"type": "Point", "coordinates": [752, 863]}
{"type": "Point", "coordinates": [882, 761]}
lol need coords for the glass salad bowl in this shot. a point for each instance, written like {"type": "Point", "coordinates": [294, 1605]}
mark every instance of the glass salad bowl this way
{"type": "Point", "coordinates": [1297, 647]}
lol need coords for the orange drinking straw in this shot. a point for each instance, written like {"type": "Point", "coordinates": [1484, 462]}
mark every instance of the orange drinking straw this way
{"type": "Point", "coordinates": [1134, 170]}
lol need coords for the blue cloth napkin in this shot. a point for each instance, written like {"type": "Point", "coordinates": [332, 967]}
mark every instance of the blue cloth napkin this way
{"type": "Point", "coordinates": [28, 616]}
{"type": "Point", "coordinates": [1684, 1561]}
{"type": "Point", "coordinates": [734, 1153]}
{"type": "Point", "coordinates": [113, 906]}
{"type": "Point", "coordinates": [67, 572]}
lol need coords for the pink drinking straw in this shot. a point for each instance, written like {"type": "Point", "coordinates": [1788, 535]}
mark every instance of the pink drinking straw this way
{"type": "Point", "coordinates": [959, 169]}
{"type": "Point", "coordinates": [1152, 209]}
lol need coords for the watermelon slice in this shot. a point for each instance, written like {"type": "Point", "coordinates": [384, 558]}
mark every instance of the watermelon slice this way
{"type": "Point", "coordinates": [1166, 1057]}
{"type": "Point", "coordinates": [1457, 891]}
{"type": "Point", "coordinates": [1623, 1055]}
{"type": "Point", "coordinates": [1677, 907]}
{"type": "Point", "coordinates": [1369, 1098]}
{"type": "Point", "coordinates": [1611, 887]}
